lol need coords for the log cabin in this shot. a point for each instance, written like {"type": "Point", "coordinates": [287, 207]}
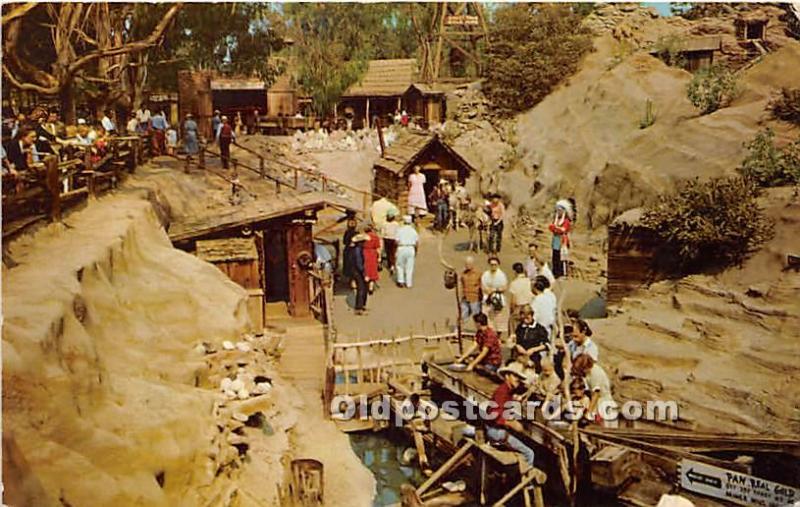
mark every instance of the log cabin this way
{"type": "Point", "coordinates": [265, 246]}
{"type": "Point", "coordinates": [436, 158]}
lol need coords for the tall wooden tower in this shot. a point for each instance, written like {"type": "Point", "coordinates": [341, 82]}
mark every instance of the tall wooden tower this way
{"type": "Point", "coordinates": [453, 49]}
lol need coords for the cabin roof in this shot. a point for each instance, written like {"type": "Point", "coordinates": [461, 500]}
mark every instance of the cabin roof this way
{"type": "Point", "coordinates": [385, 78]}
{"type": "Point", "coordinates": [694, 44]}
{"type": "Point", "coordinates": [406, 150]}
{"type": "Point", "coordinates": [227, 249]}
{"type": "Point", "coordinates": [425, 89]}
{"type": "Point", "coordinates": [255, 214]}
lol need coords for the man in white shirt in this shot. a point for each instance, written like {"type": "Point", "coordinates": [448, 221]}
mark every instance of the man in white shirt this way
{"type": "Point", "coordinates": [581, 341]}
{"type": "Point", "coordinates": [143, 117]}
{"type": "Point", "coordinates": [494, 284]}
{"type": "Point", "coordinates": [133, 124]}
{"type": "Point", "coordinates": [544, 304]}
{"type": "Point", "coordinates": [532, 262]}
{"type": "Point", "coordinates": [407, 243]}
{"type": "Point", "coordinates": [108, 124]}
{"type": "Point", "coordinates": [521, 295]}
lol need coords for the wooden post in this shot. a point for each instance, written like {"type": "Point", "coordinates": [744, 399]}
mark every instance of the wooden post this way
{"type": "Point", "coordinates": [202, 158]}
{"type": "Point", "coordinates": [366, 120]}
{"type": "Point", "coordinates": [261, 170]}
{"type": "Point", "coordinates": [53, 187]}
{"type": "Point", "coordinates": [459, 316]}
{"type": "Point", "coordinates": [446, 467]}
{"type": "Point", "coordinates": [380, 135]}
{"type": "Point", "coordinates": [186, 164]}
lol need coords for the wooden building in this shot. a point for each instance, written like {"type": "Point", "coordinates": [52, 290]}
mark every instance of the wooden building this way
{"type": "Point", "coordinates": [278, 233]}
{"type": "Point", "coordinates": [751, 28]}
{"type": "Point", "coordinates": [697, 52]}
{"type": "Point", "coordinates": [436, 158]}
{"type": "Point", "coordinates": [239, 259]}
{"type": "Point", "coordinates": [425, 102]}
{"type": "Point", "coordinates": [380, 91]}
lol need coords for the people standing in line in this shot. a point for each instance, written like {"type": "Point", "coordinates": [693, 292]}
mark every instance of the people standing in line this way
{"type": "Point", "coordinates": [216, 123]}
{"type": "Point", "coordinates": [225, 136]}
{"type": "Point", "coordinates": [520, 295]}
{"type": "Point", "coordinates": [159, 124]}
{"type": "Point", "coordinates": [389, 235]}
{"type": "Point", "coordinates": [486, 349]}
{"type": "Point", "coordinates": [359, 274]}
{"type": "Point", "coordinates": [494, 285]}
{"type": "Point", "coordinates": [497, 212]}
{"type": "Point", "coordinates": [532, 262]}
{"type": "Point", "coordinates": [471, 299]}
{"type": "Point", "coordinates": [545, 304]}
{"type": "Point", "coordinates": [560, 227]}
{"type": "Point", "coordinates": [407, 246]}
{"type": "Point", "coordinates": [417, 205]}
{"type": "Point", "coordinates": [190, 141]}
{"type": "Point", "coordinates": [372, 257]}
{"type": "Point", "coordinates": [347, 254]}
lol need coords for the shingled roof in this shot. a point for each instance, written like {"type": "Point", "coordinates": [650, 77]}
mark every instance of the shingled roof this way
{"type": "Point", "coordinates": [406, 150]}
{"type": "Point", "coordinates": [385, 78]}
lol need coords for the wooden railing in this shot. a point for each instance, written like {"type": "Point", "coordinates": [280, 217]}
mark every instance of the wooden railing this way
{"type": "Point", "coordinates": [46, 190]}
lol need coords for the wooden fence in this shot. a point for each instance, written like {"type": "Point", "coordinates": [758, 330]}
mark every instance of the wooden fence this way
{"type": "Point", "coordinates": [45, 191]}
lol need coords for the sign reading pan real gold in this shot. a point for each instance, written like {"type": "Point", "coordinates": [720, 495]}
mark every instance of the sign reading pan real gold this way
{"type": "Point", "coordinates": [735, 487]}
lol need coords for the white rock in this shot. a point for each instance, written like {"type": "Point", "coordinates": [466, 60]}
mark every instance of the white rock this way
{"type": "Point", "coordinates": [230, 393]}
{"type": "Point", "coordinates": [243, 346]}
{"type": "Point", "coordinates": [243, 394]}
{"type": "Point", "coordinates": [200, 349]}
{"type": "Point", "coordinates": [225, 384]}
{"type": "Point", "coordinates": [240, 416]}
{"type": "Point", "coordinates": [228, 345]}
{"type": "Point", "coordinates": [237, 385]}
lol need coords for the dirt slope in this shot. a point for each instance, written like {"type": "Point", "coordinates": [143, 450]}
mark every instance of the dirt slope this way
{"type": "Point", "coordinates": [584, 139]}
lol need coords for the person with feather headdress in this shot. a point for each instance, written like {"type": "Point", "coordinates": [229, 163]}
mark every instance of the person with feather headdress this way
{"type": "Point", "coordinates": [560, 227]}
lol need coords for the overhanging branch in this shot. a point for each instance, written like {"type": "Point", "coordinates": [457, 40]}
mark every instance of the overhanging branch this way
{"type": "Point", "coordinates": [132, 47]}
{"type": "Point", "coordinates": [53, 90]}
{"type": "Point", "coordinates": [18, 12]}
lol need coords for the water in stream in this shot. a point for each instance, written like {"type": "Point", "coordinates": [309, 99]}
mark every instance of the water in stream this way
{"type": "Point", "coordinates": [381, 453]}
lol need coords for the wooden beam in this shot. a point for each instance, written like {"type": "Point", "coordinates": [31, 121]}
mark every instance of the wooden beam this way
{"type": "Point", "coordinates": [446, 467]}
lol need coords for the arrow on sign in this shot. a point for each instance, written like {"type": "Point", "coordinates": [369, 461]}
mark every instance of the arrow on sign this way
{"type": "Point", "coordinates": [708, 480]}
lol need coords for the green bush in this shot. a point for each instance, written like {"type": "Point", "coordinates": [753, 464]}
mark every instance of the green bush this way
{"type": "Point", "coordinates": [534, 47]}
{"type": "Point", "coordinates": [712, 88]}
{"type": "Point", "coordinates": [708, 224]}
{"type": "Point", "coordinates": [786, 105]}
{"type": "Point", "coordinates": [770, 166]}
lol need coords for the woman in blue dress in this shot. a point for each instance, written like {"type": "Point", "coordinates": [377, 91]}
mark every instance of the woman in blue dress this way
{"type": "Point", "coordinates": [190, 142]}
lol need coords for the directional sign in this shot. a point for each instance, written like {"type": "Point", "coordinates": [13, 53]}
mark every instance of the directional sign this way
{"type": "Point", "coordinates": [735, 487]}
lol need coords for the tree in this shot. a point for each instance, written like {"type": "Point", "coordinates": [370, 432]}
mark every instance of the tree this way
{"type": "Point", "coordinates": [534, 47]}
{"type": "Point", "coordinates": [708, 224]}
{"type": "Point", "coordinates": [712, 88]}
{"type": "Point", "coordinates": [67, 45]}
{"type": "Point", "coordinates": [334, 41]}
{"type": "Point", "coordinates": [769, 166]}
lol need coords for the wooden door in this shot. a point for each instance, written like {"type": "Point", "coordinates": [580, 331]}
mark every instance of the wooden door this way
{"type": "Point", "coordinates": [299, 243]}
{"type": "Point", "coordinates": [276, 268]}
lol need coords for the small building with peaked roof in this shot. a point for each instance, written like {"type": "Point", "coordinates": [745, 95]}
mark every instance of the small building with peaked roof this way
{"type": "Point", "coordinates": [436, 159]}
{"type": "Point", "coordinates": [379, 92]}
{"type": "Point", "coordinates": [425, 102]}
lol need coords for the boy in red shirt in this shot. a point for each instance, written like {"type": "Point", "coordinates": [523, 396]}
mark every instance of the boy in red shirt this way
{"type": "Point", "coordinates": [487, 346]}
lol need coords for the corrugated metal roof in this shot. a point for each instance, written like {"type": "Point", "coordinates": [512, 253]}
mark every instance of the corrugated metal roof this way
{"type": "Point", "coordinates": [385, 78]}
{"type": "Point", "coordinates": [403, 153]}
{"type": "Point", "coordinates": [228, 249]}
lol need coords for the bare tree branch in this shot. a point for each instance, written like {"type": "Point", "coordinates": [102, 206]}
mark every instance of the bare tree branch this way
{"type": "Point", "coordinates": [29, 86]}
{"type": "Point", "coordinates": [18, 12]}
{"type": "Point", "coordinates": [132, 47]}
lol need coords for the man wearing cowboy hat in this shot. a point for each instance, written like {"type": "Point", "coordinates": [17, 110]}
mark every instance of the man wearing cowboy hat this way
{"type": "Point", "coordinates": [501, 420]}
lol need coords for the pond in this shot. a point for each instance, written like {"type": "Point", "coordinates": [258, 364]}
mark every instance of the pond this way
{"type": "Point", "coordinates": [382, 453]}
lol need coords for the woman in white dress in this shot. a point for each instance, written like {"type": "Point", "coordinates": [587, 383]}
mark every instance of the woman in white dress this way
{"type": "Point", "coordinates": [417, 205]}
